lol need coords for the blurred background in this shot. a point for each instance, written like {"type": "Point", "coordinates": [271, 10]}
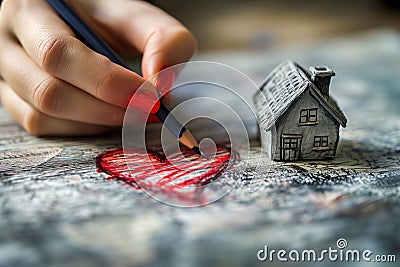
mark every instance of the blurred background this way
{"type": "Point", "coordinates": [265, 24]}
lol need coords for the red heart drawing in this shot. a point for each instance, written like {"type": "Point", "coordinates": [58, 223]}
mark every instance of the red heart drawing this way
{"type": "Point", "coordinates": [175, 177]}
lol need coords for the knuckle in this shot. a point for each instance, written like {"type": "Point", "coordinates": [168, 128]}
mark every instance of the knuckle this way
{"type": "Point", "coordinates": [51, 50]}
{"type": "Point", "coordinates": [186, 34]}
{"type": "Point", "coordinates": [45, 95]}
{"type": "Point", "coordinates": [186, 39]}
{"type": "Point", "coordinates": [179, 37]}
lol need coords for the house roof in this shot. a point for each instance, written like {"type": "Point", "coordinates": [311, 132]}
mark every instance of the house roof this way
{"type": "Point", "coordinates": [282, 87]}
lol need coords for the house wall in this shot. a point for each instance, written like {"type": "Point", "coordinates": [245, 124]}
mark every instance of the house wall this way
{"type": "Point", "coordinates": [326, 126]}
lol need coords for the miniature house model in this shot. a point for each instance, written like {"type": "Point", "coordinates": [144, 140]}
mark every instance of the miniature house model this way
{"type": "Point", "coordinates": [305, 117]}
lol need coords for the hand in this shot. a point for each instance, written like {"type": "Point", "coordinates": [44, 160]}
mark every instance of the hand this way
{"type": "Point", "coordinates": [52, 84]}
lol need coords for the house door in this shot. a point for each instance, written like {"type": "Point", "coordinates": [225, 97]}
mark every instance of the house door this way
{"type": "Point", "coordinates": [290, 147]}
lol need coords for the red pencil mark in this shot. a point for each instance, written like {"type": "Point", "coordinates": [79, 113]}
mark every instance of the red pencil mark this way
{"type": "Point", "coordinates": [152, 171]}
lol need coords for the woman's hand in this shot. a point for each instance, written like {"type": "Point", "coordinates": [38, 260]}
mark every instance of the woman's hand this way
{"type": "Point", "coordinates": [52, 84]}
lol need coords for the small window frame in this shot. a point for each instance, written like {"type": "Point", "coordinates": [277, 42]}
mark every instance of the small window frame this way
{"type": "Point", "coordinates": [308, 116]}
{"type": "Point", "coordinates": [321, 141]}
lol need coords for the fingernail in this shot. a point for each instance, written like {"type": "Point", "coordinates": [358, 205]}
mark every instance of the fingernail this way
{"type": "Point", "coordinates": [164, 82]}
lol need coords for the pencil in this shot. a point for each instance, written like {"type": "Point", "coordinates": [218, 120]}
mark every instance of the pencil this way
{"type": "Point", "coordinates": [96, 43]}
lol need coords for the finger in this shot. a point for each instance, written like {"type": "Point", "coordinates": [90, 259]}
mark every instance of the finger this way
{"type": "Point", "coordinates": [41, 124]}
{"type": "Point", "coordinates": [162, 39]}
{"type": "Point", "coordinates": [164, 81]}
{"type": "Point", "coordinates": [52, 45]}
{"type": "Point", "coordinates": [167, 48]}
{"type": "Point", "coordinates": [85, 11]}
{"type": "Point", "coordinates": [50, 95]}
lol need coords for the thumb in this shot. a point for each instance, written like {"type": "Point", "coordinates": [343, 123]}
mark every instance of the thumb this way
{"type": "Point", "coordinates": [167, 47]}
{"type": "Point", "coordinates": [161, 39]}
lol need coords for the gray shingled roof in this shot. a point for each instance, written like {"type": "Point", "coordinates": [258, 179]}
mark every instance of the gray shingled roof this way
{"type": "Point", "coordinates": [282, 87]}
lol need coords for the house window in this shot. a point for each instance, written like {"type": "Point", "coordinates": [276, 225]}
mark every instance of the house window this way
{"type": "Point", "coordinates": [308, 115]}
{"type": "Point", "coordinates": [290, 143]}
{"type": "Point", "coordinates": [320, 141]}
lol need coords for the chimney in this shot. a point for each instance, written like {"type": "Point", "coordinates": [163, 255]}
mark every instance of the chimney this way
{"type": "Point", "coordinates": [321, 77]}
